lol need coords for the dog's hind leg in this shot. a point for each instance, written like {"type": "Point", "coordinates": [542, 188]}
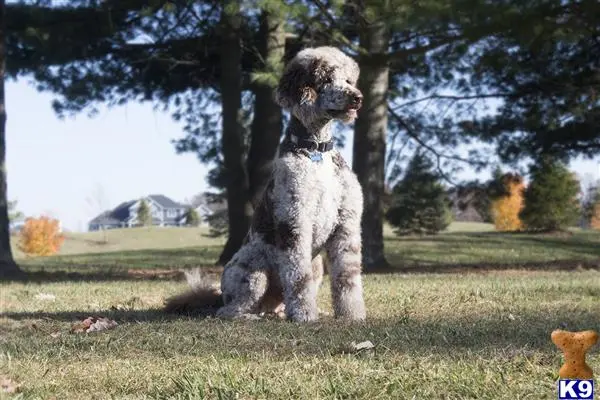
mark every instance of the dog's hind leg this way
{"type": "Point", "coordinates": [345, 255]}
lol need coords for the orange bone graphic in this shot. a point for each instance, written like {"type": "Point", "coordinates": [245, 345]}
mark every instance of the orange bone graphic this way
{"type": "Point", "coordinates": [574, 345]}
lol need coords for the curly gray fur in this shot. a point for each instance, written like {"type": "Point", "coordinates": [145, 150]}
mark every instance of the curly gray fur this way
{"type": "Point", "coordinates": [307, 207]}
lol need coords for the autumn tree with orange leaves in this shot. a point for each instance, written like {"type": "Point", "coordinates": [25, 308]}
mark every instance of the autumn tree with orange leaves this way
{"type": "Point", "coordinates": [591, 208]}
{"type": "Point", "coordinates": [505, 208]}
{"type": "Point", "coordinates": [594, 218]}
{"type": "Point", "coordinates": [40, 236]}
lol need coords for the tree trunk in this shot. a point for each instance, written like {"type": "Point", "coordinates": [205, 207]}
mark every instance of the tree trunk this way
{"type": "Point", "coordinates": [8, 267]}
{"type": "Point", "coordinates": [239, 208]}
{"type": "Point", "coordinates": [267, 123]}
{"type": "Point", "coordinates": [369, 140]}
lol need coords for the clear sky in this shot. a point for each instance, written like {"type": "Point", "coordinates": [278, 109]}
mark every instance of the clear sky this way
{"type": "Point", "coordinates": [58, 167]}
{"type": "Point", "coordinates": [54, 166]}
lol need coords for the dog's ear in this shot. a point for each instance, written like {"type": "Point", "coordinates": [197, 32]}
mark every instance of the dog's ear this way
{"type": "Point", "coordinates": [295, 86]}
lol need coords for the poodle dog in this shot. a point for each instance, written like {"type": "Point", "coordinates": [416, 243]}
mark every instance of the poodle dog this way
{"type": "Point", "coordinates": [312, 203]}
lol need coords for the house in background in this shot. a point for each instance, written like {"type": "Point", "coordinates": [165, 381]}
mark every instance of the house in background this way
{"type": "Point", "coordinates": [209, 208]}
{"type": "Point", "coordinates": [164, 211]}
{"type": "Point", "coordinates": [16, 226]}
{"type": "Point", "coordinates": [463, 209]}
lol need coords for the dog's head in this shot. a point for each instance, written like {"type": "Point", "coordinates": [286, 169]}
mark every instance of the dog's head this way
{"type": "Point", "coordinates": [319, 84]}
{"type": "Point", "coordinates": [241, 287]}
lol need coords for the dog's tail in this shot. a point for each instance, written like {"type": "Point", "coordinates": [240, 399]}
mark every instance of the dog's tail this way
{"type": "Point", "coordinates": [203, 297]}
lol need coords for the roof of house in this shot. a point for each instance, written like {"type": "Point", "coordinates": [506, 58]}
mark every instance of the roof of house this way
{"type": "Point", "coordinates": [121, 212]}
{"type": "Point", "coordinates": [105, 219]}
{"type": "Point", "coordinates": [165, 202]}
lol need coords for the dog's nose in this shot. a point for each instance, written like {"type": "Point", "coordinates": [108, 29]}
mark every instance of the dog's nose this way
{"type": "Point", "coordinates": [356, 99]}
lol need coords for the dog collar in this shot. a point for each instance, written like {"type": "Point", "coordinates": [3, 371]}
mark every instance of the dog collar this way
{"type": "Point", "coordinates": [312, 145]}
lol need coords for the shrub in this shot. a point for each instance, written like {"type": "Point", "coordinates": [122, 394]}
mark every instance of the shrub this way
{"type": "Point", "coordinates": [508, 203]}
{"type": "Point", "coordinates": [144, 216]}
{"type": "Point", "coordinates": [40, 237]}
{"type": "Point", "coordinates": [551, 200]}
{"type": "Point", "coordinates": [191, 217]}
{"type": "Point", "coordinates": [419, 202]}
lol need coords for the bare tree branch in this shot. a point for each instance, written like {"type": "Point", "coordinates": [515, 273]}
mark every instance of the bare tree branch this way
{"type": "Point", "coordinates": [452, 98]}
{"type": "Point", "coordinates": [439, 157]}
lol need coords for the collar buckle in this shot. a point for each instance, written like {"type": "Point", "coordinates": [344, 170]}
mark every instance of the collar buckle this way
{"type": "Point", "coordinates": [312, 145]}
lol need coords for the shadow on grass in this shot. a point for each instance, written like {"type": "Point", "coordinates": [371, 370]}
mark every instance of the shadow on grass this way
{"type": "Point", "coordinates": [483, 333]}
{"type": "Point", "coordinates": [145, 258]}
{"type": "Point", "coordinates": [103, 273]}
{"type": "Point", "coordinates": [100, 273]}
{"type": "Point", "coordinates": [577, 243]}
{"type": "Point", "coordinates": [434, 267]}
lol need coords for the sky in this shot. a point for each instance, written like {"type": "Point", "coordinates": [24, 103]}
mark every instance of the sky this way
{"type": "Point", "coordinates": [73, 169]}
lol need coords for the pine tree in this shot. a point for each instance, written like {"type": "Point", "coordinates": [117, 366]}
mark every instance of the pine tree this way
{"type": "Point", "coordinates": [13, 213]}
{"type": "Point", "coordinates": [191, 217]}
{"type": "Point", "coordinates": [144, 215]}
{"type": "Point", "coordinates": [419, 201]}
{"type": "Point", "coordinates": [551, 199]}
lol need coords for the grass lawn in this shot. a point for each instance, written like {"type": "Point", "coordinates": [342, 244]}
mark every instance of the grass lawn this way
{"type": "Point", "coordinates": [464, 245]}
{"type": "Point", "coordinates": [442, 331]}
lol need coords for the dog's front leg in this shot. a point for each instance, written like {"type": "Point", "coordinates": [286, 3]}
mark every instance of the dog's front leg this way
{"type": "Point", "coordinates": [294, 256]}
{"type": "Point", "coordinates": [344, 251]}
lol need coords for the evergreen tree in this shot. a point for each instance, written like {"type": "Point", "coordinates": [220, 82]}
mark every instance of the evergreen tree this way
{"type": "Point", "coordinates": [542, 68]}
{"type": "Point", "coordinates": [429, 66]}
{"type": "Point", "coordinates": [551, 199]}
{"type": "Point", "coordinates": [144, 216]}
{"type": "Point", "coordinates": [191, 217]}
{"type": "Point", "coordinates": [13, 213]}
{"type": "Point", "coordinates": [419, 201]}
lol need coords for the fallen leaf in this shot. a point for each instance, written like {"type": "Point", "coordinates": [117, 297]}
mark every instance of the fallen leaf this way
{"type": "Point", "coordinates": [55, 334]}
{"type": "Point", "coordinates": [102, 324]}
{"type": "Point", "coordinates": [7, 385]}
{"type": "Point", "coordinates": [366, 345]}
{"type": "Point", "coordinates": [82, 326]}
{"type": "Point", "coordinates": [45, 296]}
{"type": "Point", "coordinates": [93, 324]}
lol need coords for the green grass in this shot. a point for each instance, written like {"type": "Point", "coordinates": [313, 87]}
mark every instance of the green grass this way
{"type": "Point", "coordinates": [464, 244]}
{"type": "Point", "coordinates": [439, 334]}
{"type": "Point", "coordinates": [134, 248]}
{"type": "Point", "coordinates": [449, 336]}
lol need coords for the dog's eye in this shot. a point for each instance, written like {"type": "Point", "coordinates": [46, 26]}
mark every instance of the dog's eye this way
{"type": "Point", "coordinates": [348, 82]}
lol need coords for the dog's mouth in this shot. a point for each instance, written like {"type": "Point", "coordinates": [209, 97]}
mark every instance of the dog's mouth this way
{"type": "Point", "coordinates": [349, 112]}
